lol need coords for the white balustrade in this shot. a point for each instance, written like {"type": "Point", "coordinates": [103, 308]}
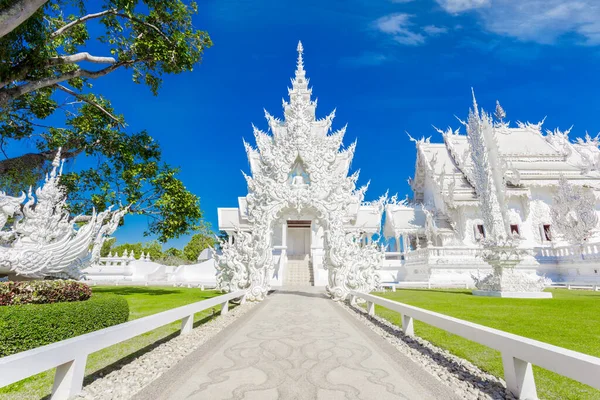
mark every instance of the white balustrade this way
{"type": "Point", "coordinates": [518, 352]}
{"type": "Point", "coordinates": [69, 356]}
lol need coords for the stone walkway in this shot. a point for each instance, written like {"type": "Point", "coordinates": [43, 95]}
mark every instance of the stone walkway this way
{"type": "Point", "coordinates": [297, 345]}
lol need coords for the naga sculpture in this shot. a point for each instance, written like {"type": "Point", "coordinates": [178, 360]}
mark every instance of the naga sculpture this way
{"type": "Point", "coordinates": [43, 242]}
{"type": "Point", "coordinates": [300, 167]}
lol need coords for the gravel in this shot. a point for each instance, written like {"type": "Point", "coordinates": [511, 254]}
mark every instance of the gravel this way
{"type": "Point", "coordinates": [467, 381]}
{"type": "Point", "coordinates": [132, 377]}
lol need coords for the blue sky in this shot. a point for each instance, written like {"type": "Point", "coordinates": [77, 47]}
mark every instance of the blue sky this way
{"type": "Point", "coordinates": [388, 66]}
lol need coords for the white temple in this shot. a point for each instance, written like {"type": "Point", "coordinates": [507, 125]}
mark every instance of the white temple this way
{"type": "Point", "coordinates": [436, 236]}
{"type": "Point", "coordinates": [517, 199]}
{"type": "Point", "coordinates": [303, 221]}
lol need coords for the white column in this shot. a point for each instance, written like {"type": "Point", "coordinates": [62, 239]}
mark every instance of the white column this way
{"type": "Point", "coordinates": [397, 242]}
{"type": "Point", "coordinates": [284, 233]}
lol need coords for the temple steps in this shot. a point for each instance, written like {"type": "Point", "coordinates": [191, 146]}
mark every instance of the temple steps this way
{"type": "Point", "coordinates": [299, 271]}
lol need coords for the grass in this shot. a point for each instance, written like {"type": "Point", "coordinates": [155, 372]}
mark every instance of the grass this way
{"type": "Point", "coordinates": [143, 301]}
{"type": "Point", "coordinates": [570, 320]}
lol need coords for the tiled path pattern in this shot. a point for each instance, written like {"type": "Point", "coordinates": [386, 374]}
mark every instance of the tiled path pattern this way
{"type": "Point", "coordinates": [297, 345]}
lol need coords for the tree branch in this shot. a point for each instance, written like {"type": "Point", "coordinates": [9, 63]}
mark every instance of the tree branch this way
{"type": "Point", "coordinates": [107, 12]}
{"type": "Point", "coordinates": [8, 94]}
{"type": "Point", "coordinates": [32, 161]}
{"type": "Point", "coordinates": [18, 13]}
{"type": "Point", "coordinates": [92, 103]}
{"type": "Point", "coordinates": [79, 57]}
{"type": "Point", "coordinates": [80, 20]}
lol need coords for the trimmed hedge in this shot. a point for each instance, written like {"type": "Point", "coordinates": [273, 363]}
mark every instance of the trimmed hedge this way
{"type": "Point", "coordinates": [24, 327]}
{"type": "Point", "coordinates": [43, 292]}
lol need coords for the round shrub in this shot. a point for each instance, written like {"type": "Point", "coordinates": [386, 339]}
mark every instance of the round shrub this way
{"type": "Point", "coordinates": [42, 292]}
{"type": "Point", "coordinates": [24, 327]}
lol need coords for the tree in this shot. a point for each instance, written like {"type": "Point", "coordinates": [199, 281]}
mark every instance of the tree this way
{"type": "Point", "coordinates": [197, 243]}
{"type": "Point", "coordinates": [173, 252]}
{"type": "Point", "coordinates": [47, 98]}
{"type": "Point", "coordinates": [107, 246]}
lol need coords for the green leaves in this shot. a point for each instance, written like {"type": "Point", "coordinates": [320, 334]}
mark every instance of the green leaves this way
{"type": "Point", "coordinates": [47, 99]}
{"type": "Point", "coordinates": [197, 243]}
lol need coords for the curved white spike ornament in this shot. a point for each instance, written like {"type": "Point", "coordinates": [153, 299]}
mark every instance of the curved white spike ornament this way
{"type": "Point", "coordinates": [43, 242]}
{"type": "Point", "coordinates": [499, 247]}
{"type": "Point", "coordinates": [304, 143]}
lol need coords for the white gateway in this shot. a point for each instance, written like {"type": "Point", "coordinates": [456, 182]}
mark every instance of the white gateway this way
{"type": "Point", "coordinates": [303, 221]}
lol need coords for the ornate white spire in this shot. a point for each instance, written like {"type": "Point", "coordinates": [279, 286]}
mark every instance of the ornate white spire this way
{"type": "Point", "coordinates": [300, 166]}
{"type": "Point", "coordinates": [55, 164]}
{"type": "Point", "coordinates": [300, 90]}
{"type": "Point", "coordinates": [300, 65]}
{"type": "Point", "coordinates": [488, 172]}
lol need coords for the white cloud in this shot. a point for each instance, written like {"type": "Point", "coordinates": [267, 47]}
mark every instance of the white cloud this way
{"type": "Point", "coordinates": [457, 6]}
{"type": "Point", "coordinates": [433, 30]}
{"type": "Point", "coordinates": [400, 28]}
{"type": "Point", "coordinates": [541, 21]}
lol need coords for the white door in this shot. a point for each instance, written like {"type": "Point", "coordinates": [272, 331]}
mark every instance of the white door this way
{"type": "Point", "coordinates": [298, 241]}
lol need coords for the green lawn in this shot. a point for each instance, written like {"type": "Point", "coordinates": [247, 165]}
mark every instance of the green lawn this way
{"type": "Point", "coordinates": [571, 320]}
{"type": "Point", "coordinates": [143, 301]}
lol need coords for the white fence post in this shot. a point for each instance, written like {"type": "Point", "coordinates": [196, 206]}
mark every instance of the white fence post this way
{"type": "Point", "coordinates": [352, 300]}
{"type": "Point", "coordinates": [518, 375]}
{"type": "Point", "coordinates": [408, 325]}
{"type": "Point", "coordinates": [393, 288]}
{"type": "Point", "coordinates": [187, 324]}
{"type": "Point", "coordinates": [225, 308]}
{"type": "Point", "coordinates": [68, 379]}
{"type": "Point", "coordinates": [370, 308]}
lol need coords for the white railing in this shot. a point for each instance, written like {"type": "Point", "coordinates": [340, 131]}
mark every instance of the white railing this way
{"type": "Point", "coordinates": [423, 284]}
{"type": "Point", "coordinates": [584, 252]}
{"type": "Point", "coordinates": [453, 251]}
{"type": "Point", "coordinates": [202, 285]}
{"type": "Point", "coordinates": [69, 356]}
{"type": "Point", "coordinates": [518, 352]}
{"type": "Point", "coordinates": [577, 285]}
{"type": "Point", "coordinates": [447, 251]}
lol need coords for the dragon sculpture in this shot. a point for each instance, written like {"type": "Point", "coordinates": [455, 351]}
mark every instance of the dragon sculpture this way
{"type": "Point", "coordinates": [42, 241]}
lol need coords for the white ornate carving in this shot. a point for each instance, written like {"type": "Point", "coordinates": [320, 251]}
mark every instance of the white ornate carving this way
{"type": "Point", "coordinates": [44, 242]}
{"type": "Point", "coordinates": [574, 212]}
{"type": "Point", "coordinates": [499, 248]}
{"type": "Point", "coordinates": [323, 188]}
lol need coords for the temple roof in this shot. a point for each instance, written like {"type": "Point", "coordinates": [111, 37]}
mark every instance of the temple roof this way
{"type": "Point", "coordinates": [532, 159]}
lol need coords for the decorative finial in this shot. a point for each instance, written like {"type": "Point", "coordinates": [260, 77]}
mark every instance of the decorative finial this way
{"type": "Point", "coordinates": [300, 64]}
{"type": "Point", "coordinates": [475, 108]}
{"type": "Point", "coordinates": [500, 114]}
{"type": "Point", "coordinates": [56, 161]}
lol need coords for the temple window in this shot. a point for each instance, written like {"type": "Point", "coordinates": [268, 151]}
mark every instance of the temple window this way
{"type": "Point", "coordinates": [514, 230]}
{"type": "Point", "coordinates": [480, 232]}
{"type": "Point", "coordinates": [547, 234]}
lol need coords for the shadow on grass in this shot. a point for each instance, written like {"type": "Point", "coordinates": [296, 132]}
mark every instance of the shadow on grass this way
{"type": "Point", "coordinates": [459, 371]}
{"type": "Point", "coordinates": [129, 290]}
